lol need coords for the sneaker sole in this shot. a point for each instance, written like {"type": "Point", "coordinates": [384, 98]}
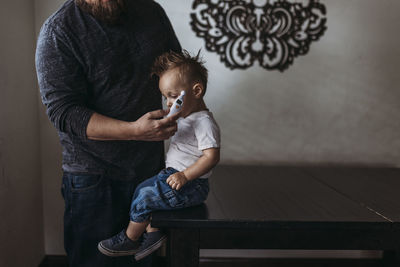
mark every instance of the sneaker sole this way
{"type": "Point", "coordinates": [113, 253]}
{"type": "Point", "coordinates": [151, 249]}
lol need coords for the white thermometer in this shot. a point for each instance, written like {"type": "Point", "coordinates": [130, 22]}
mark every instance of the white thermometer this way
{"type": "Point", "coordinates": [177, 105]}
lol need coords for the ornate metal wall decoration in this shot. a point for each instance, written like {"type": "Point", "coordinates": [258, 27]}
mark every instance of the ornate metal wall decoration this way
{"type": "Point", "coordinates": [272, 32]}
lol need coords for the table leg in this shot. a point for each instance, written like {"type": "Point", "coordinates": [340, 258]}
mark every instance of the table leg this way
{"type": "Point", "coordinates": [391, 258]}
{"type": "Point", "coordinates": [183, 248]}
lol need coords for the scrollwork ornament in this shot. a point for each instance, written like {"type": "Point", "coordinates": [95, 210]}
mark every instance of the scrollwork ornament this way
{"type": "Point", "coordinates": [272, 32]}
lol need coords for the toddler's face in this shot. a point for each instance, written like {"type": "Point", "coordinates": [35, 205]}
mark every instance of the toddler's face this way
{"type": "Point", "coordinates": [171, 87]}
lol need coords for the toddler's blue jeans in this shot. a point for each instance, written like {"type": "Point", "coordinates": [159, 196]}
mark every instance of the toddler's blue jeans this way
{"type": "Point", "coordinates": [155, 194]}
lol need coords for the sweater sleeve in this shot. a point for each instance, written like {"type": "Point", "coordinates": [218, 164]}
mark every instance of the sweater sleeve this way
{"type": "Point", "coordinates": [62, 83]}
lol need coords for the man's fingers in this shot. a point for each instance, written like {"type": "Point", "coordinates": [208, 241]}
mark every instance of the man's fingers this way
{"type": "Point", "coordinates": [165, 133]}
{"type": "Point", "coordinates": [171, 130]}
{"type": "Point", "coordinates": [172, 119]}
{"type": "Point", "coordinates": [175, 116]}
{"type": "Point", "coordinates": [156, 114]}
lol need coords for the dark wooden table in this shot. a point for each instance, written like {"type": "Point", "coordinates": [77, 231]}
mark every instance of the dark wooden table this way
{"type": "Point", "coordinates": [253, 207]}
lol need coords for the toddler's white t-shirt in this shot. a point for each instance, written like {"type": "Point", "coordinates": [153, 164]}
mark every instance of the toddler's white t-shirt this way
{"type": "Point", "coordinates": [196, 132]}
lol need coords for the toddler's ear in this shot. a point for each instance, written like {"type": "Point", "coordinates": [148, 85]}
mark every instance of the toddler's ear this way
{"type": "Point", "coordinates": [198, 90]}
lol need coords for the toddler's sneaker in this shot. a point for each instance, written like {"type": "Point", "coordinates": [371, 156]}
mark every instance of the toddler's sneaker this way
{"type": "Point", "coordinates": [151, 242]}
{"type": "Point", "coordinates": [119, 245]}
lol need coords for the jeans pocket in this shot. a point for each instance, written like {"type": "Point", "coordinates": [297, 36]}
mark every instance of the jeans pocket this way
{"type": "Point", "coordinates": [196, 192]}
{"type": "Point", "coordinates": [87, 194]}
{"type": "Point", "coordinates": [174, 200]}
{"type": "Point", "coordinates": [84, 182]}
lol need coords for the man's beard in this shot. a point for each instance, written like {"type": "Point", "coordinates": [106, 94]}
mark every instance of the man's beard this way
{"type": "Point", "coordinates": [110, 12]}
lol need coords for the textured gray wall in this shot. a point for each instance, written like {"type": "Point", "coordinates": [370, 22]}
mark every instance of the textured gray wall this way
{"type": "Point", "coordinates": [21, 210]}
{"type": "Point", "coordinates": [339, 104]}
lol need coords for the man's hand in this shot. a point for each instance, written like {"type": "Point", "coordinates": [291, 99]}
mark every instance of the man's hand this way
{"type": "Point", "coordinates": [177, 180]}
{"type": "Point", "coordinates": [150, 127]}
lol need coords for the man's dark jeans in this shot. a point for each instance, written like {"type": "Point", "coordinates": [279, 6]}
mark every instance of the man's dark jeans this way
{"type": "Point", "coordinates": [96, 207]}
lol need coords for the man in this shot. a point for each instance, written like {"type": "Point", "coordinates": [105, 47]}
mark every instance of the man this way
{"type": "Point", "coordinates": [93, 61]}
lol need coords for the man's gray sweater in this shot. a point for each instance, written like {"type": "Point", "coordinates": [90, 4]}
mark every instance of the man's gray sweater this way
{"type": "Point", "coordinates": [86, 66]}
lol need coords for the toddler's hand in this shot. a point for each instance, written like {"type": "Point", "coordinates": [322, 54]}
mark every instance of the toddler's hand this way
{"type": "Point", "coordinates": [177, 180]}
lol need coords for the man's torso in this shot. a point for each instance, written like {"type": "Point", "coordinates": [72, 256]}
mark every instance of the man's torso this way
{"type": "Point", "coordinates": [116, 61]}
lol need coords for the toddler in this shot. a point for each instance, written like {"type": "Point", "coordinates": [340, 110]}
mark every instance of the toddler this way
{"type": "Point", "coordinates": [194, 150]}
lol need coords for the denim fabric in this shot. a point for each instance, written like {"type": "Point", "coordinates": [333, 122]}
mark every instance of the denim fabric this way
{"type": "Point", "coordinates": [96, 208]}
{"type": "Point", "coordinates": [155, 194]}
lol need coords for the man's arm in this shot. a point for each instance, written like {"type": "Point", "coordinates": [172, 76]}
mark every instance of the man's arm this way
{"type": "Point", "coordinates": [63, 89]}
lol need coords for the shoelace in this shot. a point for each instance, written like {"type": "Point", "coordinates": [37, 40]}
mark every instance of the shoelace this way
{"type": "Point", "coordinates": [118, 238]}
{"type": "Point", "coordinates": [145, 237]}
